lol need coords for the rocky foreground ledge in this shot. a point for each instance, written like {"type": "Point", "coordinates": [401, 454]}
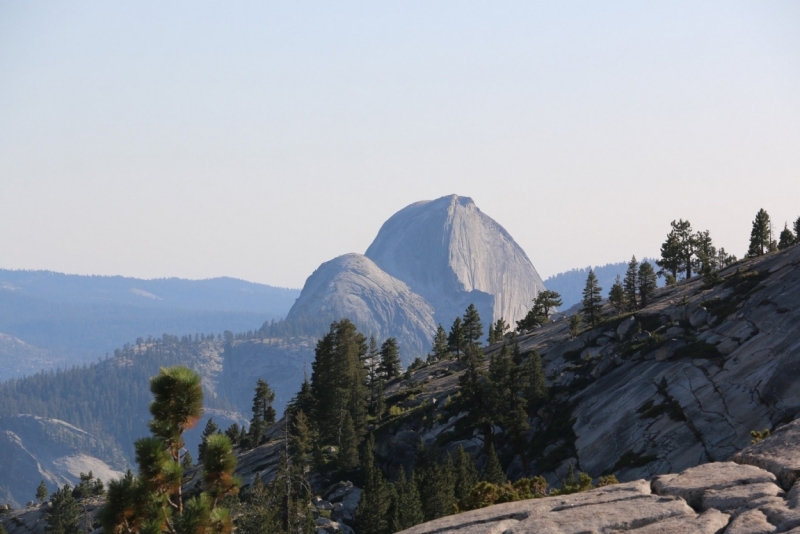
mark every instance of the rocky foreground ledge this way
{"type": "Point", "coordinates": [754, 493]}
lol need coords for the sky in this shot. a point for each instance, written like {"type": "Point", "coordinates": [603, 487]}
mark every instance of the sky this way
{"type": "Point", "coordinates": [260, 139]}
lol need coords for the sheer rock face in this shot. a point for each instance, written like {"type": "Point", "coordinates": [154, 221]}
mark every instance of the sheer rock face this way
{"type": "Point", "coordinates": [37, 448]}
{"type": "Point", "coordinates": [453, 254]}
{"type": "Point", "coordinates": [353, 287]}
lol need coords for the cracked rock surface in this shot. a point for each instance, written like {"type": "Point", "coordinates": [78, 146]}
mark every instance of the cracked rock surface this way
{"type": "Point", "coordinates": [718, 497]}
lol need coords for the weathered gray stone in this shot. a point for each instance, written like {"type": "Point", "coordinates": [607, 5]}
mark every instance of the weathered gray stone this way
{"type": "Point", "coordinates": [735, 497]}
{"type": "Point", "coordinates": [668, 349]}
{"type": "Point", "coordinates": [698, 317]}
{"type": "Point", "coordinates": [693, 484]}
{"type": "Point", "coordinates": [625, 327]}
{"type": "Point", "coordinates": [727, 346]}
{"type": "Point", "coordinates": [750, 522]}
{"type": "Point", "coordinates": [675, 331]}
{"type": "Point", "coordinates": [642, 336]}
{"type": "Point", "coordinates": [709, 522]}
{"type": "Point", "coordinates": [779, 454]}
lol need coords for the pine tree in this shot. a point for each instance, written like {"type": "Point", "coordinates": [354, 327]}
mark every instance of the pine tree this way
{"type": "Point", "coordinates": [372, 515]}
{"type": "Point", "coordinates": [787, 238]}
{"type": "Point", "coordinates": [63, 516]}
{"type": "Point", "coordinates": [574, 325]}
{"type": "Point", "coordinates": [42, 492]}
{"type": "Point", "coordinates": [706, 253]}
{"type": "Point", "coordinates": [375, 382]}
{"type": "Point", "coordinates": [187, 461]}
{"type": "Point", "coordinates": [408, 506]}
{"type": "Point", "coordinates": [472, 326]}
{"type": "Point", "coordinates": [536, 391]}
{"type": "Point", "coordinates": [497, 331]}
{"type": "Point", "coordinates": [455, 341]}
{"type": "Point", "coordinates": [592, 300]}
{"type": "Point", "coordinates": [219, 464]}
{"type": "Point", "coordinates": [210, 429]}
{"type": "Point", "coordinates": [473, 391]}
{"type": "Point", "coordinates": [233, 432]}
{"type": "Point", "coordinates": [630, 284]}
{"type": "Point", "coordinates": [466, 475]}
{"type": "Point", "coordinates": [616, 296]}
{"type": "Point", "coordinates": [435, 482]}
{"type": "Point", "coordinates": [761, 234]}
{"type": "Point", "coordinates": [339, 383]}
{"type": "Point", "coordinates": [390, 360]}
{"type": "Point", "coordinates": [348, 445]}
{"type": "Point", "coordinates": [671, 256]}
{"type": "Point", "coordinates": [797, 230]}
{"type": "Point", "coordinates": [686, 243]}
{"type": "Point", "coordinates": [440, 350]}
{"type": "Point", "coordinates": [263, 413]}
{"type": "Point", "coordinates": [493, 471]}
{"type": "Point", "coordinates": [647, 283]}
{"type": "Point", "coordinates": [548, 302]}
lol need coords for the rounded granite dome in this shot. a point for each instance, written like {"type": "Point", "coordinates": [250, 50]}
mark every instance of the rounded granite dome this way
{"type": "Point", "coordinates": [453, 254]}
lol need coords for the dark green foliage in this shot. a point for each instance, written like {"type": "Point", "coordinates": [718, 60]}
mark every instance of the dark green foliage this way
{"type": "Point", "coordinates": [187, 461]}
{"type": "Point", "coordinates": [263, 413]}
{"type": "Point", "coordinates": [647, 283]}
{"type": "Point", "coordinates": [89, 486]}
{"type": "Point", "coordinates": [218, 466]}
{"type": "Point", "coordinates": [536, 392]}
{"type": "Point", "coordinates": [339, 386]}
{"type": "Point", "coordinates": [63, 516]}
{"type": "Point", "coordinates": [348, 445]}
{"type": "Point", "coordinates": [787, 238]}
{"type": "Point", "coordinates": [234, 432]}
{"type": "Point", "coordinates": [466, 476]}
{"type": "Point", "coordinates": [390, 360]}
{"type": "Point", "coordinates": [592, 300]}
{"type": "Point", "coordinates": [258, 514]}
{"type": "Point", "coordinates": [176, 407]}
{"type": "Point", "coordinates": [210, 429]}
{"type": "Point", "coordinates": [472, 326]}
{"type": "Point", "coordinates": [677, 252]}
{"type": "Point", "coordinates": [760, 235]}
{"type": "Point", "coordinates": [406, 506]}
{"type": "Point", "coordinates": [436, 484]}
{"type": "Point", "coordinates": [440, 351]}
{"type": "Point", "coordinates": [543, 305]}
{"type": "Point", "coordinates": [93, 397]}
{"type": "Point", "coordinates": [707, 257]}
{"type": "Point", "coordinates": [498, 330]}
{"type": "Point", "coordinates": [456, 340]}
{"type": "Point", "coordinates": [796, 228]}
{"type": "Point", "coordinates": [493, 471]}
{"type": "Point", "coordinates": [574, 325]}
{"type": "Point", "coordinates": [42, 492]}
{"type": "Point", "coordinates": [616, 296]}
{"type": "Point", "coordinates": [631, 284]}
{"type": "Point", "coordinates": [372, 515]}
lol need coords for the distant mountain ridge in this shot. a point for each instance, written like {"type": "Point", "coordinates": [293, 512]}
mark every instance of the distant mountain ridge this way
{"type": "Point", "coordinates": [67, 319]}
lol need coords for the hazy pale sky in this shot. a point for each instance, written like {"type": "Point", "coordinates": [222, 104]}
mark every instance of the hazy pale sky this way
{"type": "Point", "coordinates": [257, 140]}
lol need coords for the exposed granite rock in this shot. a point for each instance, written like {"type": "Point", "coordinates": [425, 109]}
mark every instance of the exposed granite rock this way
{"type": "Point", "coordinates": [451, 253]}
{"type": "Point", "coordinates": [780, 454]}
{"type": "Point", "coordinates": [354, 287]}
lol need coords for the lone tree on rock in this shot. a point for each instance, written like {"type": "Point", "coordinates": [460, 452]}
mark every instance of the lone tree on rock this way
{"type": "Point", "coordinates": [455, 341]}
{"type": "Point", "coordinates": [543, 305]}
{"type": "Point", "coordinates": [592, 299]}
{"type": "Point", "coordinates": [41, 492]}
{"type": "Point", "coordinates": [616, 296]}
{"type": "Point", "coordinates": [760, 235]}
{"type": "Point", "coordinates": [473, 328]}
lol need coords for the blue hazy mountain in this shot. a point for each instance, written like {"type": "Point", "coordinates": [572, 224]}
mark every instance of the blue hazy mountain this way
{"type": "Point", "coordinates": [65, 319]}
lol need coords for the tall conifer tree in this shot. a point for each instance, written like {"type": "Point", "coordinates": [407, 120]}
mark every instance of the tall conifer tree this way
{"type": "Point", "coordinates": [592, 300]}
{"type": "Point", "coordinates": [647, 283]}
{"type": "Point", "coordinates": [760, 235]}
{"type": "Point", "coordinates": [473, 328]}
{"type": "Point", "coordinates": [455, 341]}
{"type": "Point", "coordinates": [390, 359]}
{"type": "Point", "coordinates": [440, 350]}
{"type": "Point", "coordinates": [631, 284]}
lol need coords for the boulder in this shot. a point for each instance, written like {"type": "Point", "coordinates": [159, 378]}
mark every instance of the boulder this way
{"type": "Point", "coordinates": [668, 349]}
{"type": "Point", "coordinates": [779, 454]}
{"type": "Point", "coordinates": [750, 522]}
{"type": "Point", "coordinates": [625, 327]}
{"type": "Point", "coordinates": [693, 484]}
{"type": "Point", "coordinates": [698, 317]}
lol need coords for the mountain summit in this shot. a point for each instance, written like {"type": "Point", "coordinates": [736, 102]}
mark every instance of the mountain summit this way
{"type": "Point", "coordinates": [428, 262]}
